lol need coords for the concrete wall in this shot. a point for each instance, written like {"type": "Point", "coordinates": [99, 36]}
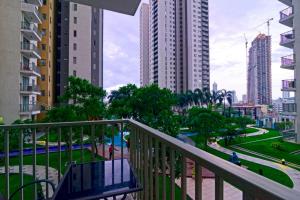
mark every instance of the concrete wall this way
{"type": "Point", "coordinates": [10, 15]}
{"type": "Point", "coordinates": [296, 4]}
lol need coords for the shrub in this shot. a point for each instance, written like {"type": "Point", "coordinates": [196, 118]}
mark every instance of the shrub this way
{"type": "Point", "coordinates": [278, 146]}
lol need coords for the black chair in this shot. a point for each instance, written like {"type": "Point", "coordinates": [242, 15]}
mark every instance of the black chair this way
{"type": "Point", "coordinates": [40, 195]}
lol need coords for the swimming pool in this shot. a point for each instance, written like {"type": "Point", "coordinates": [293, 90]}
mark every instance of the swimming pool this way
{"type": "Point", "coordinates": [118, 141]}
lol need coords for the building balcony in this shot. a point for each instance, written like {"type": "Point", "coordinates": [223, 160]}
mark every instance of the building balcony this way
{"type": "Point", "coordinates": [31, 11]}
{"type": "Point", "coordinates": [30, 109]}
{"type": "Point", "coordinates": [30, 69]}
{"type": "Point", "coordinates": [289, 85]}
{"type": "Point", "coordinates": [288, 39]}
{"type": "Point", "coordinates": [29, 89]}
{"type": "Point", "coordinates": [287, 2]}
{"type": "Point", "coordinates": [31, 31]}
{"type": "Point", "coordinates": [287, 17]}
{"type": "Point", "coordinates": [289, 109]}
{"type": "Point", "coordinates": [35, 2]}
{"type": "Point", "coordinates": [288, 62]}
{"type": "Point", "coordinates": [30, 50]}
{"type": "Point", "coordinates": [158, 161]}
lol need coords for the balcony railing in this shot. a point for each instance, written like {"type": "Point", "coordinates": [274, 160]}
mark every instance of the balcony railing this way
{"type": "Point", "coordinates": [29, 108]}
{"type": "Point", "coordinates": [289, 84]}
{"type": "Point", "coordinates": [25, 46]}
{"type": "Point", "coordinates": [288, 60]}
{"type": "Point", "coordinates": [287, 37]}
{"type": "Point", "coordinates": [286, 13]}
{"type": "Point", "coordinates": [29, 88]}
{"type": "Point", "coordinates": [30, 67]}
{"type": "Point", "coordinates": [289, 107]}
{"type": "Point", "coordinates": [154, 156]}
{"type": "Point", "coordinates": [31, 27]}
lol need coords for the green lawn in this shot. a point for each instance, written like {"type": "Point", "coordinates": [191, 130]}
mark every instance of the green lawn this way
{"type": "Point", "coordinates": [168, 189]}
{"type": "Point", "coordinates": [268, 172]}
{"type": "Point", "coordinates": [251, 130]}
{"type": "Point", "coordinates": [15, 184]}
{"type": "Point", "coordinates": [276, 148]}
{"type": "Point", "coordinates": [239, 140]}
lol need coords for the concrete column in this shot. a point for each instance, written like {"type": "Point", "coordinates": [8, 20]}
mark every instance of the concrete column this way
{"type": "Point", "coordinates": [10, 23]}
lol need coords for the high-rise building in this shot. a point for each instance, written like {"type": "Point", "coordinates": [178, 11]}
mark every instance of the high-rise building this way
{"type": "Point", "coordinates": [259, 83]}
{"type": "Point", "coordinates": [244, 99]}
{"type": "Point", "coordinates": [290, 17]}
{"type": "Point", "coordinates": [19, 37]}
{"type": "Point", "coordinates": [79, 44]}
{"type": "Point", "coordinates": [179, 44]}
{"type": "Point", "coordinates": [144, 44]}
{"type": "Point", "coordinates": [46, 63]}
{"type": "Point", "coordinates": [215, 87]}
{"type": "Point", "coordinates": [234, 96]}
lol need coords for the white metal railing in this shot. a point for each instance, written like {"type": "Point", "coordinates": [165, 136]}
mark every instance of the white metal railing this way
{"type": "Point", "coordinates": [284, 14]}
{"type": "Point", "coordinates": [30, 67]}
{"type": "Point", "coordinates": [152, 154]}
{"type": "Point", "coordinates": [287, 37]}
{"type": "Point", "coordinates": [288, 84]}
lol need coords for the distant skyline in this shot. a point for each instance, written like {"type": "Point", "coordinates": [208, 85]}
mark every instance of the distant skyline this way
{"type": "Point", "coordinates": [229, 20]}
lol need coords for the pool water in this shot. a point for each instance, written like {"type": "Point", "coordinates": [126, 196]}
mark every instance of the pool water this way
{"type": "Point", "coordinates": [118, 141]}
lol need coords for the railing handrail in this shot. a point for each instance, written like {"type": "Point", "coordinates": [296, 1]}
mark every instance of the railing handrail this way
{"type": "Point", "coordinates": [288, 32]}
{"type": "Point", "coordinates": [287, 11]}
{"type": "Point", "coordinates": [235, 175]}
{"type": "Point", "coordinates": [249, 182]}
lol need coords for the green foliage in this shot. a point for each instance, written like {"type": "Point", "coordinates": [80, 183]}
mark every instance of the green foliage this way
{"type": "Point", "coordinates": [205, 121]}
{"type": "Point", "coordinates": [280, 126]}
{"type": "Point", "coordinates": [120, 101]}
{"type": "Point", "coordinates": [242, 122]}
{"type": "Point", "coordinates": [278, 146]}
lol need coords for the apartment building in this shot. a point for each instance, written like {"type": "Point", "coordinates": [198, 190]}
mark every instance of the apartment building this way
{"type": "Point", "coordinates": [144, 44]}
{"type": "Point", "coordinates": [19, 54]}
{"type": "Point", "coordinates": [79, 44]}
{"type": "Point", "coordinates": [259, 81]}
{"type": "Point", "coordinates": [46, 63]}
{"type": "Point", "coordinates": [179, 44]}
{"type": "Point", "coordinates": [290, 17]}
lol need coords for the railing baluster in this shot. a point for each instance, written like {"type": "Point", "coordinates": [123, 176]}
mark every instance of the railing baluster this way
{"type": "Point", "coordinates": [81, 144]}
{"type": "Point", "coordinates": [103, 141]}
{"type": "Point", "coordinates": [47, 161]}
{"type": "Point", "coordinates": [163, 159]}
{"type": "Point", "coordinates": [139, 160]}
{"type": "Point", "coordinates": [113, 141]}
{"type": "Point", "coordinates": [151, 167]}
{"type": "Point", "coordinates": [157, 170]}
{"type": "Point", "coordinates": [131, 149]}
{"type": "Point", "coordinates": [93, 143]}
{"type": "Point", "coordinates": [6, 149]}
{"type": "Point", "coordinates": [142, 162]}
{"type": "Point", "coordinates": [183, 179]}
{"type": "Point", "coordinates": [172, 174]}
{"type": "Point", "coordinates": [146, 173]}
{"type": "Point", "coordinates": [34, 162]}
{"type": "Point", "coordinates": [122, 148]}
{"type": "Point", "coordinates": [219, 188]}
{"type": "Point", "coordinates": [59, 153]}
{"type": "Point", "coordinates": [198, 181]}
{"type": "Point", "coordinates": [247, 196]}
{"type": "Point", "coordinates": [21, 163]}
{"type": "Point", "coordinates": [71, 144]}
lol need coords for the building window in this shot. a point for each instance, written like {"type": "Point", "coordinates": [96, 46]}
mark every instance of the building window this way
{"type": "Point", "coordinates": [44, 47]}
{"type": "Point", "coordinates": [74, 60]}
{"type": "Point", "coordinates": [75, 33]}
{"type": "Point", "coordinates": [74, 73]}
{"type": "Point", "coordinates": [44, 32]}
{"type": "Point", "coordinates": [43, 93]}
{"type": "Point", "coordinates": [75, 46]}
{"type": "Point", "coordinates": [43, 77]}
{"type": "Point", "coordinates": [44, 16]}
{"type": "Point", "coordinates": [75, 7]}
{"type": "Point", "coordinates": [44, 2]}
{"type": "Point", "coordinates": [42, 62]}
{"type": "Point", "coordinates": [75, 20]}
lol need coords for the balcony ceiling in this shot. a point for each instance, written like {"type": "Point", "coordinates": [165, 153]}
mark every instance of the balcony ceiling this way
{"type": "Point", "coordinates": [128, 7]}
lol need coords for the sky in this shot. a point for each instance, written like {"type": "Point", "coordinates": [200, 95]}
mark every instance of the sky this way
{"type": "Point", "coordinates": [229, 21]}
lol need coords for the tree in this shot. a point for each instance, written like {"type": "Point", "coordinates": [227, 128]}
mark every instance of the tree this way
{"type": "Point", "coordinates": [226, 96]}
{"type": "Point", "coordinates": [205, 122]}
{"type": "Point", "coordinates": [120, 101]}
{"type": "Point", "coordinates": [242, 122]}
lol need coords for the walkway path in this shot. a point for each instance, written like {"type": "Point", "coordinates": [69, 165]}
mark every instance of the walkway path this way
{"type": "Point", "coordinates": [40, 174]}
{"type": "Point", "coordinates": [292, 173]}
{"type": "Point", "coordinates": [259, 132]}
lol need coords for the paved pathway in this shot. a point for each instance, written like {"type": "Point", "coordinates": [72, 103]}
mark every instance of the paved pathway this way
{"type": "Point", "coordinates": [40, 174]}
{"type": "Point", "coordinates": [259, 132]}
{"type": "Point", "coordinates": [292, 173]}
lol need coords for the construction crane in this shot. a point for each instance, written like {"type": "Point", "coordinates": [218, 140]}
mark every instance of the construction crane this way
{"type": "Point", "coordinates": [268, 22]}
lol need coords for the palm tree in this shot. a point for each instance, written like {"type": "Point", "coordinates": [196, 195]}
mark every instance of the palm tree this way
{"type": "Point", "coordinates": [199, 98]}
{"type": "Point", "coordinates": [207, 100]}
{"type": "Point", "coordinates": [225, 96]}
